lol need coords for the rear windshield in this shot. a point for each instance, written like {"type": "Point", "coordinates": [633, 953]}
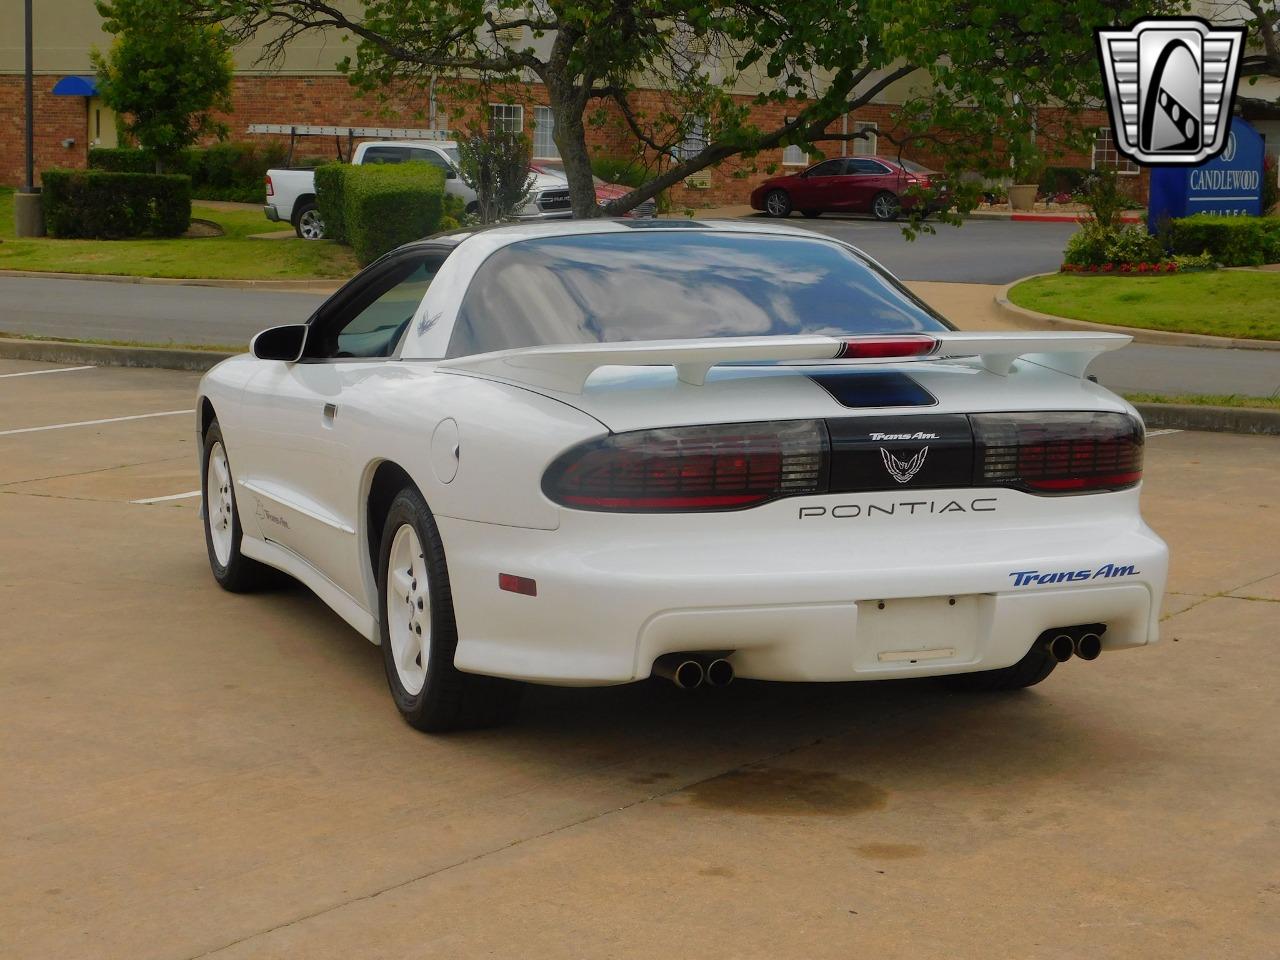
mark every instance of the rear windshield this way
{"type": "Point", "coordinates": [677, 284]}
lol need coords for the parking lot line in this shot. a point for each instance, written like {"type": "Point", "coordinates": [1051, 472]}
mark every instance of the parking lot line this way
{"type": "Point", "coordinates": [94, 423]}
{"type": "Point", "coordinates": [36, 373]}
{"type": "Point", "coordinates": [1161, 433]}
{"type": "Point", "coordinates": [172, 496]}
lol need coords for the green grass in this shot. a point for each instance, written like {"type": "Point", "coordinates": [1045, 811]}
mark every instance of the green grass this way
{"type": "Point", "coordinates": [166, 345]}
{"type": "Point", "coordinates": [232, 257]}
{"type": "Point", "coordinates": [1208, 400]}
{"type": "Point", "coordinates": [1224, 303]}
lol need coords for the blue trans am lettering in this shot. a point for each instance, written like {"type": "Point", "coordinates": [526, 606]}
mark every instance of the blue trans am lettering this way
{"type": "Point", "coordinates": [1023, 578]}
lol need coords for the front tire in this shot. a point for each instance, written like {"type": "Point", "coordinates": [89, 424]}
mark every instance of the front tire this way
{"type": "Point", "coordinates": [222, 531]}
{"type": "Point", "coordinates": [419, 632]}
{"type": "Point", "coordinates": [885, 206]}
{"type": "Point", "coordinates": [307, 223]}
{"type": "Point", "coordinates": [777, 203]}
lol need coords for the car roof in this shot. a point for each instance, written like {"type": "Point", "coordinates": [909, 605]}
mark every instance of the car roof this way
{"type": "Point", "coordinates": [445, 144]}
{"type": "Point", "coordinates": [501, 234]}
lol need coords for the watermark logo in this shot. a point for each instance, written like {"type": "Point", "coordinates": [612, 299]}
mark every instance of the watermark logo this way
{"type": "Point", "coordinates": [903, 470]}
{"type": "Point", "coordinates": [1170, 84]}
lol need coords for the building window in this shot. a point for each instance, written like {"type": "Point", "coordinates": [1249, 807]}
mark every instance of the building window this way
{"type": "Point", "coordinates": [794, 156]}
{"type": "Point", "coordinates": [506, 117]}
{"type": "Point", "coordinates": [1106, 155]}
{"type": "Point", "coordinates": [544, 128]}
{"type": "Point", "coordinates": [869, 145]}
{"type": "Point", "coordinates": [695, 140]}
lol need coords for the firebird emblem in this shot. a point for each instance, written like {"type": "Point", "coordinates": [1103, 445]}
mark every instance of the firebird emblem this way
{"type": "Point", "coordinates": [903, 470]}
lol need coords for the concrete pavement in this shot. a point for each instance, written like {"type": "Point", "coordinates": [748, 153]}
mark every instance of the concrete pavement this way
{"type": "Point", "coordinates": [190, 773]}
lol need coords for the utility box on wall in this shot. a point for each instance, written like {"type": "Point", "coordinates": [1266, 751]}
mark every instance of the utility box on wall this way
{"type": "Point", "coordinates": [1230, 183]}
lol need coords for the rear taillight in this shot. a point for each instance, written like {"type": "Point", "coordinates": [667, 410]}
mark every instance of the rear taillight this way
{"type": "Point", "coordinates": [270, 189]}
{"type": "Point", "coordinates": [1058, 452]}
{"type": "Point", "coordinates": [721, 467]}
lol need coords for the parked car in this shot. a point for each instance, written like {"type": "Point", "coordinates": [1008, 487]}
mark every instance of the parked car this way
{"type": "Point", "coordinates": [875, 185]}
{"type": "Point", "coordinates": [605, 191]}
{"type": "Point", "coordinates": [583, 453]}
{"type": "Point", "coordinates": [291, 194]}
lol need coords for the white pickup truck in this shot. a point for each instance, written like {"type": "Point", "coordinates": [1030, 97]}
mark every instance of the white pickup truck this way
{"type": "Point", "coordinates": [291, 194]}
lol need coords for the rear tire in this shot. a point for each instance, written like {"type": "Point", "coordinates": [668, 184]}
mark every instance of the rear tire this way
{"type": "Point", "coordinates": [307, 223]}
{"type": "Point", "coordinates": [777, 203]}
{"type": "Point", "coordinates": [222, 532]}
{"type": "Point", "coordinates": [885, 206]}
{"type": "Point", "coordinates": [419, 633]}
{"type": "Point", "coordinates": [1027, 672]}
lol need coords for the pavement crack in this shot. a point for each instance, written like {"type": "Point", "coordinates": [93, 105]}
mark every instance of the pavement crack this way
{"type": "Point", "coordinates": [483, 854]}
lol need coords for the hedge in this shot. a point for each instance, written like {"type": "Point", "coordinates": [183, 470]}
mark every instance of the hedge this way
{"type": "Point", "coordinates": [225, 171]}
{"type": "Point", "coordinates": [99, 205]}
{"type": "Point", "coordinates": [1232, 241]}
{"type": "Point", "coordinates": [329, 180]}
{"type": "Point", "coordinates": [386, 205]}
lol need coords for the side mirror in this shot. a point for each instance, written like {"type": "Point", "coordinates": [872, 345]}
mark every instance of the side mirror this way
{"type": "Point", "coordinates": [280, 343]}
{"type": "Point", "coordinates": [451, 174]}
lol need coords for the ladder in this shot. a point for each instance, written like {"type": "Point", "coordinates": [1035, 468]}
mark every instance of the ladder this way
{"type": "Point", "coordinates": [296, 130]}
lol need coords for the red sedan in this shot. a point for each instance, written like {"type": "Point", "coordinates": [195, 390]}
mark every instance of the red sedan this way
{"type": "Point", "coordinates": [875, 185]}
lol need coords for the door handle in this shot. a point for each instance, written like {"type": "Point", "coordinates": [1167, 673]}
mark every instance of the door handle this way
{"type": "Point", "coordinates": [330, 411]}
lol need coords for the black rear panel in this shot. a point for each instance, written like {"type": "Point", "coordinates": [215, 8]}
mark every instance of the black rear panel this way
{"type": "Point", "coordinates": [874, 388]}
{"type": "Point", "coordinates": [919, 451]}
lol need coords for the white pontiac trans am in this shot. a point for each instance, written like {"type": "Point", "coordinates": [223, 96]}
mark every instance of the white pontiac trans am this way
{"type": "Point", "coordinates": [588, 452]}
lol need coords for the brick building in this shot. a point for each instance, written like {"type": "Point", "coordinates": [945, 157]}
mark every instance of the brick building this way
{"type": "Point", "coordinates": [306, 89]}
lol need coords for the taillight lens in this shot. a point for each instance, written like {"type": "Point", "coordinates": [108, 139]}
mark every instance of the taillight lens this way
{"type": "Point", "coordinates": [1058, 452]}
{"type": "Point", "coordinates": [880, 348]}
{"type": "Point", "coordinates": [271, 191]}
{"type": "Point", "coordinates": [720, 467]}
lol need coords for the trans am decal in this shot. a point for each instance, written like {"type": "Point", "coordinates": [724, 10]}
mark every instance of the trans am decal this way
{"type": "Point", "coordinates": [1023, 578]}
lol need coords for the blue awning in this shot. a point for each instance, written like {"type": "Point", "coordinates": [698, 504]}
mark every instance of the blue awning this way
{"type": "Point", "coordinates": [76, 87]}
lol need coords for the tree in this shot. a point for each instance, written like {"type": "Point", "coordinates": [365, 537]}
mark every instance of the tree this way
{"type": "Point", "coordinates": [984, 68]}
{"type": "Point", "coordinates": [164, 75]}
{"type": "Point", "coordinates": [496, 166]}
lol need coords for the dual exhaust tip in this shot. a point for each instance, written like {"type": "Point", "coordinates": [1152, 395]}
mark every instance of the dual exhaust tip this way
{"type": "Point", "coordinates": [1083, 642]}
{"type": "Point", "coordinates": [688, 671]}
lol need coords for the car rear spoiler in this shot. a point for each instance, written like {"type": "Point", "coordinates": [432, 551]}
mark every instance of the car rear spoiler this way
{"type": "Point", "coordinates": [566, 368]}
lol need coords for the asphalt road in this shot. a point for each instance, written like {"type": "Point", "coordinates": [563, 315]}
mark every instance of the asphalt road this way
{"type": "Point", "coordinates": [193, 773]}
{"type": "Point", "coordinates": [979, 251]}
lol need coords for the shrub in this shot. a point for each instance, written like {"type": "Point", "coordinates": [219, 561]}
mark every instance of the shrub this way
{"type": "Point", "coordinates": [1232, 241]}
{"type": "Point", "coordinates": [99, 205]}
{"type": "Point", "coordinates": [1096, 245]}
{"type": "Point", "coordinates": [387, 205]}
{"type": "Point", "coordinates": [496, 167]}
{"type": "Point", "coordinates": [1105, 199]}
{"type": "Point", "coordinates": [1057, 180]}
{"type": "Point", "coordinates": [227, 171]}
{"type": "Point", "coordinates": [329, 181]}
{"type": "Point", "coordinates": [122, 160]}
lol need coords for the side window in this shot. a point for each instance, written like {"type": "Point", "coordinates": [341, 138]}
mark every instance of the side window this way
{"type": "Point", "coordinates": [428, 156]}
{"type": "Point", "coordinates": [828, 168]}
{"type": "Point", "coordinates": [384, 155]}
{"type": "Point", "coordinates": [371, 321]}
{"type": "Point", "coordinates": [871, 168]}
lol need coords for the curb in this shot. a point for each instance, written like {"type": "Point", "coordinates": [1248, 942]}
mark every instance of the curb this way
{"type": "Point", "coordinates": [1037, 217]}
{"type": "Point", "coordinates": [1025, 319]}
{"type": "Point", "coordinates": [55, 351]}
{"type": "Point", "coordinates": [1178, 416]}
{"type": "Point", "coordinates": [283, 286]}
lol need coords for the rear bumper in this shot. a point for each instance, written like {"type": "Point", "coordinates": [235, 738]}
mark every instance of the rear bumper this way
{"type": "Point", "coordinates": [272, 213]}
{"type": "Point", "coordinates": [852, 600]}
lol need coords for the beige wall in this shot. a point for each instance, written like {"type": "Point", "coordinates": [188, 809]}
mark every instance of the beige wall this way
{"type": "Point", "coordinates": [65, 31]}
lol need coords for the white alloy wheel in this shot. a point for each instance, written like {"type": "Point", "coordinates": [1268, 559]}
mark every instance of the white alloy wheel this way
{"type": "Point", "coordinates": [408, 609]}
{"type": "Point", "coordinates": [885, 206]}
{"type": "Point", "coordinates": [310, 226]}
{"type": "Point", "coordinates": [777, 204]}
{"type": "Point", "coordinates": [219, 502]}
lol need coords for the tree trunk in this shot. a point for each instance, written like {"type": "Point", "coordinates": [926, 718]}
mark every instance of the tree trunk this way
{"type": "Point", "coordinates": [570, 135]}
